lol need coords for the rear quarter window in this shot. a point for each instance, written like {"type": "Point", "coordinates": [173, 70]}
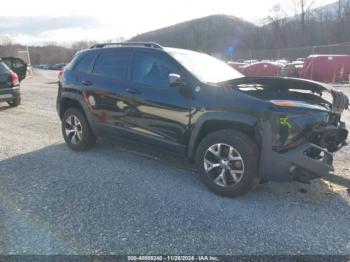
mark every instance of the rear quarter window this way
{"type": "Point", "coordinates": [112, 65]}
{"type": "Point", "coordinates": [83, 65]}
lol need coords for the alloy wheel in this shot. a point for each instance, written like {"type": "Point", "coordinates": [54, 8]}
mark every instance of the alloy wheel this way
{"type": "Point", "coordinates": [224, 165]}
{"type": "Point", "coordinates": [73, 129]}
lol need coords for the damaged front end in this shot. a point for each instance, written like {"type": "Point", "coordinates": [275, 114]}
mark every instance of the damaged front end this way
{"type": "Point", "coordinates": [300, 146]}
{"type": "Point", "coordinates": [301, 128]}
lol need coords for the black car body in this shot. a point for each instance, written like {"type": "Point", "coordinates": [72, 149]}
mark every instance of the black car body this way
{"type": "Point", "coordinates": [9, 86]}
{"type": "Point", "coordinates": [17, 65]}
{"type": "Point", "coordinates": [232, 126]}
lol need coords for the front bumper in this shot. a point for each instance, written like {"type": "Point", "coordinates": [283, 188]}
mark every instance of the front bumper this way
{"type": "Point", "coordinates": [7, 94]}
{"type": "Point", "coordinates": [297, 164]}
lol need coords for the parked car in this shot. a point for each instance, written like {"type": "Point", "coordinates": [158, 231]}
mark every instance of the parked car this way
{"type": "Point", "coordinates": [17, 65]}
{"type": "Point", "coordinates": [46, 66]}
{"type": "Point", "coordinates": [58, 66]}
{"type": "Point", "coordinates": [9, 86]}
{"type": "Point", "coordinates": [235, 129]}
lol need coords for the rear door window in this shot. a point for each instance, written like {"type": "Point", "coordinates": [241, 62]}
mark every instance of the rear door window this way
{"type": "Point", "coordinates": [112, 65]}
{"type": "Point", "coordinates": [84, 63]}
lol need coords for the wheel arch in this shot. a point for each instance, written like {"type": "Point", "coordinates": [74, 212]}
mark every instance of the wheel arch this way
{"type": "Point", "coordinates": [211, 122]}
{"type": "Point", "coordinates": [67, 102]}
{"type": "Point", "coordinates": [74, 100]}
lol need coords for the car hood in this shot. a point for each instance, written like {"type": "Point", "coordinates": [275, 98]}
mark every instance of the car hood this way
{"type": "Point", "coordinates": [303, 93]}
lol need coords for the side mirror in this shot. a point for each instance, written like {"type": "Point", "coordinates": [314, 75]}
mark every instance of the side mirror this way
{"type": "Point", "coordinates": [175, 80]}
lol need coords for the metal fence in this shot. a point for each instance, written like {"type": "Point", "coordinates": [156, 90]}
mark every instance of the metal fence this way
{"type": "Point", "coordinates": [292, 53]}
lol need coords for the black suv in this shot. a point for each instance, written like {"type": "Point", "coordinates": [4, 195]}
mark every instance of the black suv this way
{"type": "Point", "coordinates": [236, 129]}
{"type": "Point", "coordinates": [9, 86]}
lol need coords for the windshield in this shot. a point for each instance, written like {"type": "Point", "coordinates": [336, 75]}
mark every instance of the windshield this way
{"type": "Point", "coordinates": [206, 68]}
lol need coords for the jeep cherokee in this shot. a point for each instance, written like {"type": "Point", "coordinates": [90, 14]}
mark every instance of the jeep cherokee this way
{"type": "Point", "coordinates": [236, 129]}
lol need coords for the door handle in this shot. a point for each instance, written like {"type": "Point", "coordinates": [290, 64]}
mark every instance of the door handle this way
{"type": "Point", "coordinates": [133, 91]}
{"type": "Point", "coordinates": [86, 83]}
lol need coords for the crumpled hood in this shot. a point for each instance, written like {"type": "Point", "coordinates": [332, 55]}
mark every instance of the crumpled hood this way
{"type": "Point", "coordinates": [306, 93]}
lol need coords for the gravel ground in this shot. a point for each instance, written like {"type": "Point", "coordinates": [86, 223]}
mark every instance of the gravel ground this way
{"type": "Point", "coordinates": [123, 198]}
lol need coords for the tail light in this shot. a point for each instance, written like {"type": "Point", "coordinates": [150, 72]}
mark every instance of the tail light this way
{"type": "Point", "coordinates": [60, 73]}
{"type": "Point", "coordinates": [15, 80]}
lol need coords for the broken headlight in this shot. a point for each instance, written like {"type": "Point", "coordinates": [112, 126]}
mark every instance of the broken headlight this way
{"type": "Point", "coordinates": [291, 130]}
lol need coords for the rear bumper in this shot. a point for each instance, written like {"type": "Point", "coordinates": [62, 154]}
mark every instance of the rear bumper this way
{"type": "Point", "coordinates": [296, 164]}
{"type": "Point", "coordinates": [7, 94]}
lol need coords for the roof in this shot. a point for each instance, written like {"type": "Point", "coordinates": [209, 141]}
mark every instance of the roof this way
{"type": "Point", "coordinates": [128, 44]}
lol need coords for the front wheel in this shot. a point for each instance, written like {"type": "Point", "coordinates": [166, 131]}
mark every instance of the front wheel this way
{"type": "Point", "coordinates": [227, 161]}
{"type": "Point", "coordinates": [76, 130]}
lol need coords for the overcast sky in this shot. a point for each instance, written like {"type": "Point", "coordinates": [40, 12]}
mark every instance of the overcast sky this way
{"type": "Point", "coordinates": [64, 21]}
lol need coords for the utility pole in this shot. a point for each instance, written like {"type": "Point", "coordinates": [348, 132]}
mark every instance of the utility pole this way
{"type": "Point", "coordinates": [29, 62]}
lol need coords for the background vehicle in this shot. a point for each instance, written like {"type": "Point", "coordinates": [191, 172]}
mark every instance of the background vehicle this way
{"type": "Point", "coordinates": [17, 65]}
{"type": "Point", "coordinates": [9, 86]}
{"type": "Point", "coordinates": [327, 68]}
{"type": "Point", "coordinates": [58, 66]}
{"type": "Point", "coordinates": [236, 129]}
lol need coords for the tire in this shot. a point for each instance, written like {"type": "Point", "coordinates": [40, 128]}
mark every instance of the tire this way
{"type": "Point", "coordinates": [14, 102]}
{"type": "Point", "coordinates": [77, 134]}
{"type": "Point", "coordinates": [237, 172]}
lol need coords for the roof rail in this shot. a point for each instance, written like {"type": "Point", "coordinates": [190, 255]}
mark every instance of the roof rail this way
{"type": "Point", "coordinates": [145, 44]}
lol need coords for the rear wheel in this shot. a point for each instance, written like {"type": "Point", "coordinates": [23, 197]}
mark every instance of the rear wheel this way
{"type": "Point", "coordinates": [76, 130]}
{"type": "Point", "coordinates": [227, 161]}
{"type": "Point", "coordinates": [14, 102]}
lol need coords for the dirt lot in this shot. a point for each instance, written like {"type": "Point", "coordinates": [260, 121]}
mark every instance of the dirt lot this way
{"type": "Point", "coordinates": [123, 198]}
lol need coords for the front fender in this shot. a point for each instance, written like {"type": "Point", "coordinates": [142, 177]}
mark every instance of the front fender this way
{"type": "Point", "coordinates": [230, 117]}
